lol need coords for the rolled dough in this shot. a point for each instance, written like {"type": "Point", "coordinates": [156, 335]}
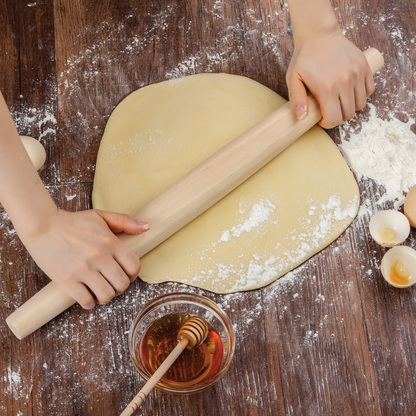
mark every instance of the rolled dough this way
{"type": "Point", "coordinates": [288, 211]}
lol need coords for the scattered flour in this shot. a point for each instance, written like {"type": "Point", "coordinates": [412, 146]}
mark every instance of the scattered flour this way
{"type": "Point", "coordinates": [384, 151]}
{"type": "Point", "coordinates": [6, 225]}
{"type": "Point", "coordinates": [70, 197]}
{"type": "Point", "coordinates": [258, 215]}
{"type": "Point", "coordinates": [262, 268]}
{"type": "Point", "coordinates": [100, 375]}
{"type": "Point", "coordinates": [26, 118]}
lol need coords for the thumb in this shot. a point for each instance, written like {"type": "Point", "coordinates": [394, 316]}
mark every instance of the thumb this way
{"type": "Point", "coordinates": [123, 223]}
{"type": "Point", "coordinates": [298, 97]}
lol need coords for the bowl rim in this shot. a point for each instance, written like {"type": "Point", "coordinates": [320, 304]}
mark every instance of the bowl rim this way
{"type": "Point", "coordinates": [170, 298]}
{"type": "Point", "coordinates": [406, 249]}
{"type": "Point", "coordinates": [399, 218]}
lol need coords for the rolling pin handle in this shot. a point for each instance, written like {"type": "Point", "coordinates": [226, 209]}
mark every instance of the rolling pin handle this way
{"type": "Point", "coordinates": [48, 303]}
{"type": "Point", "coordinates": [375, 59]}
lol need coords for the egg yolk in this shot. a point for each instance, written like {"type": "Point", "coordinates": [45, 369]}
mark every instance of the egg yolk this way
{"type": "Point", "coordinates": [387, 234]}
{"type": "Point", "coordinates": [399, 274]}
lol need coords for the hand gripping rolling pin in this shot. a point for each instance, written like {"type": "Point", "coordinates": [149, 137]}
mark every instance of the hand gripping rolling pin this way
{"type": "Point", "coordinates": [191, 196]}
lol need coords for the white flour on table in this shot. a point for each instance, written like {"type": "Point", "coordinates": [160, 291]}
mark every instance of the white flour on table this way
{"type": "Point", "coordinates": [384, 151]}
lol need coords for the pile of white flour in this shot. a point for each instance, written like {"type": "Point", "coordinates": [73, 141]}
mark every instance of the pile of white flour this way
{"type": "Point", "coordinates": [384, 151]}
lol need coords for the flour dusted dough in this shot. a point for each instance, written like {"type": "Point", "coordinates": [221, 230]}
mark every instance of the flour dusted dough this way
{"type": "Point", "coordinates": [288, 211]}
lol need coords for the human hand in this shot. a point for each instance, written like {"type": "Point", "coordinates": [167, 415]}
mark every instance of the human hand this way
{"type": "Point", "coordinates": [335, 71]}
{"type": "Point", "coordinates": [80, 252]}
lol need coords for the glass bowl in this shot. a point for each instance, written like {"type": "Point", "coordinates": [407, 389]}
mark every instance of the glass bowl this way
{"type": "Point", "coordinates": [182, 303]}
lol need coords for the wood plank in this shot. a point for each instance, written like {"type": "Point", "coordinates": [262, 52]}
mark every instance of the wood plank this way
{"type": "Point", "coordinates": [38, 94]}
{"type": "Point", "coordinates": [9, 45]}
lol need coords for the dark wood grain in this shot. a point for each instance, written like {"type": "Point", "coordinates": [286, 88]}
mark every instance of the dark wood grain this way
{"type": "Point", "coordinates": [333, 338]}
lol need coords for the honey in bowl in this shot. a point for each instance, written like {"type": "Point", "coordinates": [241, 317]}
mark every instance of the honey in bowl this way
{"type": "Point", "coordinates": [193, 366]}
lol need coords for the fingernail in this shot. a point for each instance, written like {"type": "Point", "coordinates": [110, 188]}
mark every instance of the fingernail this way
{"type": "Point", "coordinates": [301, 112]}
{"type": "Point", "coordinates": [144, 225]}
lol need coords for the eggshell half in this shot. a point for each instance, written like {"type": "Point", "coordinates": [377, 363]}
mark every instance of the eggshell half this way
{"type": "Point", "coordinates": [389, 220]}
{"type": "Point", "coordinates": [35, 151]}
{"type": "Point", "coordinates": [407, 256]}
{"type": "Point", "coordinates": [410, 206]}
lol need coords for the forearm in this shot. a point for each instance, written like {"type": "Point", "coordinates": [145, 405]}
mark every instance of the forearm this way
{"type": "Point", "coordinates": [22, 193]}
{"type": "Point", "coordinates": [311, 17]}
{"type": "Point", "coordinates": [78, 250]}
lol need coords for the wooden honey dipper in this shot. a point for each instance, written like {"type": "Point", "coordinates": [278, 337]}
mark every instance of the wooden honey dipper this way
{"type": "Point", "coordinates": [190, 335]}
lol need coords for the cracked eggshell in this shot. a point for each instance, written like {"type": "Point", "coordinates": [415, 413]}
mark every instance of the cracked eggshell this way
{"type": "Point", "coordinates": [382, 223]}
{"type": "Point", "coordinates": [410, 206]}
{"type": "Point", "coordinates": [35, 151]}
{"type": "Point", "coordinates": [405, 255]}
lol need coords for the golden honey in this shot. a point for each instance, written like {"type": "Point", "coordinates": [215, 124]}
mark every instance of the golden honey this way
{"type": "Point", "coordinates": [193, 366]}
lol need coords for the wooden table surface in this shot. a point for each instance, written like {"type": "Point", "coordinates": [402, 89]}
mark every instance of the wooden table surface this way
{"type": "Point", "coordinates": [331, 338]}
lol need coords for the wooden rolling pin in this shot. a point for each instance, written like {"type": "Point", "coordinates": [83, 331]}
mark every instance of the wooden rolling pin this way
{"type": "Point", "coordinates": [191, 196]}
